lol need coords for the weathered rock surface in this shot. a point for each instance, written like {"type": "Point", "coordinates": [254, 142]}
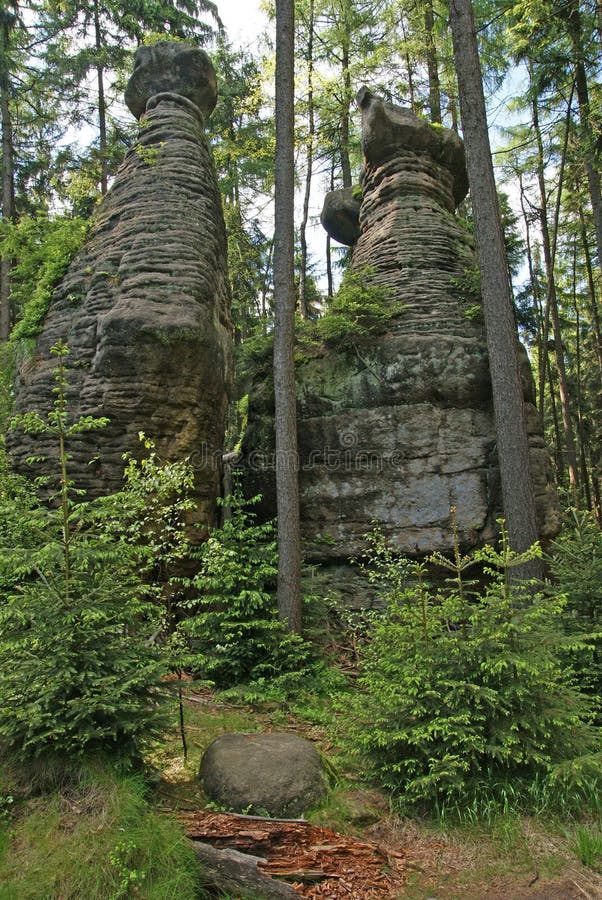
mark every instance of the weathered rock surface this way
{"type": "Point", "coordinates": [144, 307]}
{"type": "Point", "coordinates": [272, 773]}
{"type": "Point", "coordinates": [341, 215]}
{"type": "Point", "coordinates": [401, 428]}
{"type": "Point", "coordinates": [172, 68]}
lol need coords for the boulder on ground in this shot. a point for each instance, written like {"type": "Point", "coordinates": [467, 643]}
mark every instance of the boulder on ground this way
{"type": "Point", "coordinates": [273, 773]}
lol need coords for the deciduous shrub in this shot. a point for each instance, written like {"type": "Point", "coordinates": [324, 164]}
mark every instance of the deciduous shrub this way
{"type": "Point", "coordinates": [361, 308]}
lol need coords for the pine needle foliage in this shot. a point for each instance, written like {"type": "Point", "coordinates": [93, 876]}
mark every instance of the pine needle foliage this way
{"type": "Point", "coordinates": [233, 624]}
{"type": "Point", "coordinates": [77, 671]}
{"type": "Point", "coordinates": [462, 687]}
{"type": "Point", "coordinates": [576, 563]}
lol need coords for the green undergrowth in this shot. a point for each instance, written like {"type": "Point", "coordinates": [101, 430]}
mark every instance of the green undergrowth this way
{"type": "Point", "coordinates": [44, 247]}
{"type": "Point", "coordinates": [555, 834]}
{"type": "Point", "coordinates": [91, 831]}
{"type": "Point", "coordinates": [586, 842]}
{"type": "Point", "coordinates": [361, 310]}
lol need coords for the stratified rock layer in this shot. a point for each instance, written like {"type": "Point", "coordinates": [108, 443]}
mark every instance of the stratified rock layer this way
{"type": "Point", "coordinates": [400, 429]}
{"type": "Point", "coordinates": [144, 310]}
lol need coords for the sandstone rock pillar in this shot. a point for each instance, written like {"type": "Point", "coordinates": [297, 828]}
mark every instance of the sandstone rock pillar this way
{"type": "Point", "coordinates": [145, 305]}
{"type": "Point", "coordinates": [400, 429]}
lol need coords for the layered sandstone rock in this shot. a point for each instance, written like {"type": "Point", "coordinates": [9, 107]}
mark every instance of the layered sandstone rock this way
{"type": "Point", "coordinates": [144, 307]}
{"type": "Point", "coordinates": [400, 429]}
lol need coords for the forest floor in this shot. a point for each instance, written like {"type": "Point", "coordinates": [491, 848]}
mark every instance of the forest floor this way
{"type": "Point", "coordinates": [362, 849]}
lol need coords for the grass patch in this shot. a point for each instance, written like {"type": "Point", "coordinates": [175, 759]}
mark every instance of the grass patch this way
{"type": "Point", "coordinates": [587, 844]}
{"type": "Point", "coordinates": [96, 835]}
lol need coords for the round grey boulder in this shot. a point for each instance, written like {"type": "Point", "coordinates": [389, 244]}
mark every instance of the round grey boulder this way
{"type": "Point", "coordinates": [341, 215]}
{"type": "Point", "coordinates": [273, 773]}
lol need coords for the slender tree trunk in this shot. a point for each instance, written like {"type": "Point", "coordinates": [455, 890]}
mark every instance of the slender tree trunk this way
{"type": "Point", "coordinates": [329, 275]}
{"type": "Point", "coordinates": [345, 121]}
{"type": "Point", "coordinates": [593, 467]}
{"type": "Point", "coordinates": [310, 159]}
{"type": "Point", "coordinates": [8, 177]}
{"type": "Point", "coordinates": [559, 443]}
{"type": "Point", "coordinates": [588, 129]}
{"type": "Point", "coordinates": [432, 63]}
{"type": "Point", "coordinates": [265, 285]}
{"type": "Point", "coordinates": [580, 418]}
{"type": "Point", "coordinates": [542, 350]}
{"type": "Point", "coordinates": [502, 341]}
{"type": "Point", "coordinates": [102, 106]}
{"type": "Point", "coordinates": [287, 481]}
{"type": "Point", "coordinates": [409, 70]}
{"type": "Point", "coordinates": [552, 299]}
{"type": "Point", "coordinates": [591, 285]}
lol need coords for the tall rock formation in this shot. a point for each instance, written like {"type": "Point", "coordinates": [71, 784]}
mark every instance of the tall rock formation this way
{"type": "Point", "coordinates": [400, 429]}
{"type": "Point", "coordinates": [144, 308]}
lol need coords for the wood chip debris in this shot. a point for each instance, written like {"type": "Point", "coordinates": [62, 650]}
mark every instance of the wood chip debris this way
{"type": "Point", "coordinates": [317, 862]}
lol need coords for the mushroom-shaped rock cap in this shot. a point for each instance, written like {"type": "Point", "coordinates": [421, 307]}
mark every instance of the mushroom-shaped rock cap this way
{"type": "Point", "coordinates": [387, 128]}
{"type": "Point", "coordinates": [171, 67]}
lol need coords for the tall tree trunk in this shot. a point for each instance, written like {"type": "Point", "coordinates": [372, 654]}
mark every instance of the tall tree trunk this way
{"type": "Point", "coordinates": [329, 275]}
{"type": "Point", "coordinates": [588, 130]}
{"type": "Point", "coordinates": [558, 442]}
{"type": "Point", "coordinates": [102, 106]}
{"type": "Point", "coordinates": [432, 63]}
{"type": "Point", "coordinates": [267, 276]}
{"type": "Point", "coordinates": [408, 61]}
{"type": "Point", "coordinates": [8, 174]}
{"type": "Point", "coordinates": [591, 285]}
{"type": "Point", "coordinates": [542, 349]}
{"type": "Point", "coordinates": [593, 467]}
{"type": "Point", "coordinates": [552, 300]}
{"type": "Point", "coordinates": [502, 341]}
{"type": "Point", "coordinates": [310, 159]}
{"type": "Point", "coordinates": [580, 417]}
{"type": "Point", "coordinates": [345, 121]}
{"type": "Point", "coordinates": [287, 480]}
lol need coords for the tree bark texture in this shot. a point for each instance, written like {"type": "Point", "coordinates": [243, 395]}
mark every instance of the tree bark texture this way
{"type": "Point", "coordinates": [502, 341]}
{"type": "Point", "coordinates": [432, 63]}
{"type": "Point", "coordinates": [287, 478]}
{"type": "Point", "coordinates": [311, 131]}
{"type": "Point", "coordinates": [345, 120]}
{"type": "Point", "coordinates": [573, 15]}
{"type": "Point", "coordinates": [549, 252]}
{"type": "Point", "coordinates": [237, 873]}
{"type": "Point", "coordinates": [8, 182]}
{"type": "Point", "coordinates": [102, 105]}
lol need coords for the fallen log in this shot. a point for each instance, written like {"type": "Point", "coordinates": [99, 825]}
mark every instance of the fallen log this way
{"type": "Point", "coordinates": [237, 873]}
{"type": "Point", "coordinates": [316, 862]}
